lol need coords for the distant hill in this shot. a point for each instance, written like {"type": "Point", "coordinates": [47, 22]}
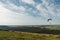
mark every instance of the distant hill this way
{"type": "Point", "coordinates": [49, 29]}
{"type": "Point", "coordinates": [3, 27]}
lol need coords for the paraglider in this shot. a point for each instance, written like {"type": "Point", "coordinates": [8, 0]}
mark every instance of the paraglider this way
{"type": "Point", "coordinates": [49, 20]}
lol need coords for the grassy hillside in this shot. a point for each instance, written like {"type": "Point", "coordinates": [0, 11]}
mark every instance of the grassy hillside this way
{"type": "Point", "coordinates": [14, 35]}
{"type": "Point", "coordinates": [53, 27]}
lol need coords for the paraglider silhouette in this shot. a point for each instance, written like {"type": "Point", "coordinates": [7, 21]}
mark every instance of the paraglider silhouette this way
{"type": "Point", "coordinates": [49, 20]}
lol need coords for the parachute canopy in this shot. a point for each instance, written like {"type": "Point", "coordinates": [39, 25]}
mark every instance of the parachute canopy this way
{"type": "Point", "coordinates": [49, 19]}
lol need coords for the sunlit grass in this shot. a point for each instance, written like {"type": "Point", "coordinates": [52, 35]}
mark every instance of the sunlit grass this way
{"type": "Point", "coordinates": [10, 35]}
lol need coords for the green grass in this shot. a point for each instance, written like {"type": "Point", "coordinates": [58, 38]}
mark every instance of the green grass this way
{"type": "Point", "coordinates": [9, 35]}
{"type": "Point", "coordinates": [54, 27]}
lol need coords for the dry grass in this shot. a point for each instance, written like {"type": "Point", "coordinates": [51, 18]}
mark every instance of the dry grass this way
{"type": "Point", "coordinates": [9, 35]}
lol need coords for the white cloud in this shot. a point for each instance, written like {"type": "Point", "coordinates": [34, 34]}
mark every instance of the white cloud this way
{"type": "Point", "coordinates": [8, 17]}
{"type": "Point", "coordinates": [18, 9]}
{"type": "Point", "coordinates": [19, 15]}
{"type": "Point", "coordinates": [22, 8]}
{"type": "Point", "coordinates": [46, 8]}
{"type": "Point", "coordinates": [14, 7]}
{"type": "Point", "coordinates": [28, 1]}
{"type": "Point", "coordinates": [42, 10]}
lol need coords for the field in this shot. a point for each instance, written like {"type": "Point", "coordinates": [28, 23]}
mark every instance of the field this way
{"type": "Point", "coordinates": [52, 27]}
{"type": "Point", "coordinates": [16, 35]}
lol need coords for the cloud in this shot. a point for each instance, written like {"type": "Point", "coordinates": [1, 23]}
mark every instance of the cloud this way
{"type": "Point", "coordinates": [44, 8]}
{"type": "Point", "coordinates": [15, 8]}
{"type": "Point", "coordinates": [28, 1]}
{"type": "Point", "coordinates": [28, 11]}
{"type": "Point", "coordinates": [8, 17]}
{"type": "Point", "coordinates": [4, 15]}
{"type": "Point", "coordinates": [47, 8]}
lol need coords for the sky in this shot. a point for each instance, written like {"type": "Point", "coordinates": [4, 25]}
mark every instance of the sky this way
{"type": "Point", "coordinates": [29, 12]}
